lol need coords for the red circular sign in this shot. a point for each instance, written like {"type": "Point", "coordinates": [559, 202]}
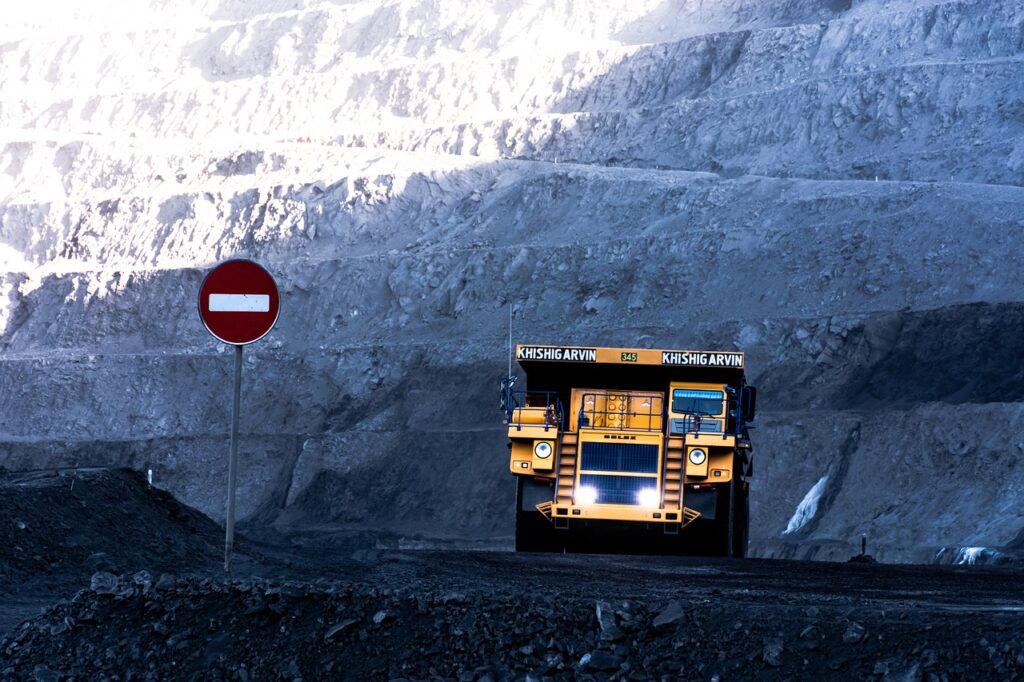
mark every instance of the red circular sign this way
{"type": "Point", "coordinates": [238, 302]}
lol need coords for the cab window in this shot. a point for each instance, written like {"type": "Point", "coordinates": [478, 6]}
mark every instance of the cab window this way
{"type": "Point", "coordinates": [697, 401]}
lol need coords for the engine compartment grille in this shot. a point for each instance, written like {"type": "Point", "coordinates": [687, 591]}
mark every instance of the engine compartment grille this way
{"type": "Point", "coordinates": [633, 458]}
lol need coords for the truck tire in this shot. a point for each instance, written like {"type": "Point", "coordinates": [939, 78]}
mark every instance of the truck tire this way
{"type": "Point", "coordinates": [741, 519]}
{"type": "Point", "coordinates": [534, 532]}
{"type": "Point", "coordinates": [738, 504]}
{"type": "Point", "coordinates": [710, 537]}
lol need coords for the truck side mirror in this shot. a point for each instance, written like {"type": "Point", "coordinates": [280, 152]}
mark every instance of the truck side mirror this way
{"type": "Point", "coordinates": [507, 401]}
{"type": "Point", "coordinates": [749, 403]}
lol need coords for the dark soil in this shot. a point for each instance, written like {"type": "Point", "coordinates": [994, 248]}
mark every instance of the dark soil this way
{"type": "Point", "coordinates": [57, 526]}
{"type": "Point", "coordinates": [507, 618]}
{"type": "Point", "coordinates": [333, 607]}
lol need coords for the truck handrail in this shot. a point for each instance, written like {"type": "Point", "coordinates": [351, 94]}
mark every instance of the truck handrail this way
{"type": "Point", "coordinates": [588, 418]}
{"type": "Point", "coordinates": [548, 401]}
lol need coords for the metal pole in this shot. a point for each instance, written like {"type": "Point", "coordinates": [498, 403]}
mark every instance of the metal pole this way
{"type": "Point", "coordinates": [229, 533]}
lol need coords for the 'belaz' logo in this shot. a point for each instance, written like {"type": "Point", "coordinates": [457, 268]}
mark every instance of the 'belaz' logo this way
{"type": "Point", "coordinates": [555, 353]}
{"type": "Point", "coordinates": [691, 359]}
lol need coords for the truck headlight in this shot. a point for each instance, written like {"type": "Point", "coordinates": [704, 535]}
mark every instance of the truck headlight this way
{"type": "Point", "coordinates": [542, 449]}
{"type": "Point", "coordinates": [586, 494]}
{"type": "Point", "coordinates": [648, 497]}
{"type": "Point", "coordinates": [697, 457]}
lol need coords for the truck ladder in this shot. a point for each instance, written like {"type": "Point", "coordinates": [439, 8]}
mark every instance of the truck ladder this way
{"type": "Point", "coordinates": [566, 468]}
{"type": "Point", "coordinates": [672, 490]}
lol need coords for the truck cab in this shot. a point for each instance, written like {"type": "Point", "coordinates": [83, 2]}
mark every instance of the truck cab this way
{"type": "Point", "coordinates": [639, 450]}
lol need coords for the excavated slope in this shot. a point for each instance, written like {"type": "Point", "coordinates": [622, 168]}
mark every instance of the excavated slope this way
{"type": "Point", "coordinates": [834, 187]}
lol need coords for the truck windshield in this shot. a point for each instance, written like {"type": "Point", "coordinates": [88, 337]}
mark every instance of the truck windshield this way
{"type": "Point", "coordinates": [692, 400]}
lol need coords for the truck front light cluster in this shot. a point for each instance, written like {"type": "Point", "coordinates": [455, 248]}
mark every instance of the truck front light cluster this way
{"type": "Point", "coordinates": [697, 457]}
{"type": "Point", "coordinates": [648, 497]}
{"type": "Point", "coordinates": [542, 449]}
{"type": "Point", "coordinates": [586, 494]}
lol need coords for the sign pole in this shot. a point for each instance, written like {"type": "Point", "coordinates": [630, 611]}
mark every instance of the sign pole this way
{"type": "Point", "coordinates": [238, 304]}
{"type": "Point", "coordinates": [229, 533]}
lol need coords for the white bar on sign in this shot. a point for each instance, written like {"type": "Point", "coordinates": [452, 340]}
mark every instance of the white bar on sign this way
{"type": "Point", "coordinates": [239, 303]}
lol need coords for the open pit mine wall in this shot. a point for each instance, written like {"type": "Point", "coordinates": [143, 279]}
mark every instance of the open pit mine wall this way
{"type": "Point", "coordinates": [832, 187]}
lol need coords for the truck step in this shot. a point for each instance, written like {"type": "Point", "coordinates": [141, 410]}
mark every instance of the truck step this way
{"type": "Point", "coordinates": [566, 468]}
{"type": "Point", "coordinates": [672, 491]}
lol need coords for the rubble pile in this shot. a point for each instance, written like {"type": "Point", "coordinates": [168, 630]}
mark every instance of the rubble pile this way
{"type": "Point", "coordinates": [57, 526]}
{"type": "Point", "coordinates": [162, 627]}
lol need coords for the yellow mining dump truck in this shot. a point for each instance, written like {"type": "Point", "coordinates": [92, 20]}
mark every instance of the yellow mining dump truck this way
{"type": "Point", "coordinates": [630, 450]}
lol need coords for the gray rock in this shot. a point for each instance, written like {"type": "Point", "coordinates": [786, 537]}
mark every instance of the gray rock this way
{"type": "Point", "coordinates": [809, 638]}
{"type": "Point", "coordinates": [613, 634]}
{"type": "Point", "coordinates": [178, 638]}
{"type": "Point", "coordinates": [854, 633]}
{"type": "Point", "coordinates": [289, 669]}
{"type": "Point", "coordinates": [143, 579]}
{"type": "Point", "coordinates": [603, 660]}
{"type": "Point", "coordinates": [454, 598]}
{"type": "Point", "coordinates": [43, 674]}
{"type": "Point", "coordinates": [336, 631]}
{"type": "Point", "coordinates": [895, 670]}
{"type": "Point", "coordinates": [771, 651]}
{"type": "Point", "coordinates": [669, 616]}
{"type": "Point", "coordinates": [606, 621]}
{"type": "Point", "coordinates": [104, 583]}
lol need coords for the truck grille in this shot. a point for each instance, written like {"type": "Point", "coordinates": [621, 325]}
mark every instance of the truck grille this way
{"type": "Point", "coordinates": [617, 489]}
{"type": "Point", "coordinates": [633, 458]}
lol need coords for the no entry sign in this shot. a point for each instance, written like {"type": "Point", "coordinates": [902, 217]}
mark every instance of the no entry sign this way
{"type": "Point", "coordinates": [238, 302]}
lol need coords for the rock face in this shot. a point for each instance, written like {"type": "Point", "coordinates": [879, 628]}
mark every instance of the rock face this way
{"type": "Point", "coordinates": [833, 187]}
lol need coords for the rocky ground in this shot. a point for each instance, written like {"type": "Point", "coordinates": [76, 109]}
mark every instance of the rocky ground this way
{"type": "Point", "coordinates": [327, 606]}
{"type": "Point", "coordinates": [475, 616]}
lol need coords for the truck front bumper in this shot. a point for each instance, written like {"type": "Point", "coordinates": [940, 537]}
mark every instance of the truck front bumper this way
{"type": "Point", "coordinates": [616, 512]}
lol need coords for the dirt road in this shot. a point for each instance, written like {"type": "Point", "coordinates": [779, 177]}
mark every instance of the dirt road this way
{"type": "Point", "coordinates": [155, 604]}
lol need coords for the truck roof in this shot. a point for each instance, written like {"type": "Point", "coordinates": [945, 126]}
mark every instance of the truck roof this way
{"type": "Point", "coordinates": [529, 354]}
{"type": "Point", "coordinates": [561, 368]}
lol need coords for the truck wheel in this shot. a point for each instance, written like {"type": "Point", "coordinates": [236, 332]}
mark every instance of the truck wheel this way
{"type": "Point", "coordinates": [733, 498]}
{"type": "Point", "coordinates": [534, 532]}
{"type": "Point", "coordinates": [715, 540]}
{"type": "Point", "coordinates": [741, 519]}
